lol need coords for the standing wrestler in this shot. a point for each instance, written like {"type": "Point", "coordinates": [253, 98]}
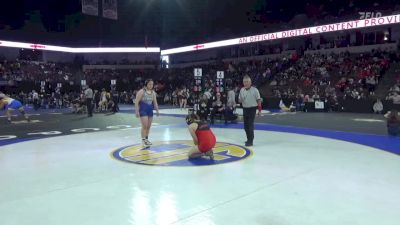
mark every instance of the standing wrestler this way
{"type": "Point", "coordinates": [146, 101]}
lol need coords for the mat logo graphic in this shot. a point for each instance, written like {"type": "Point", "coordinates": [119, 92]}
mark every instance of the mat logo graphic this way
{"type": "Point", "coordinates": [176, 154]}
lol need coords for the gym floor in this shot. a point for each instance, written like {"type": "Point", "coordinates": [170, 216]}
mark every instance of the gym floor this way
{"type": "Point", "coordinates": [304, 168]}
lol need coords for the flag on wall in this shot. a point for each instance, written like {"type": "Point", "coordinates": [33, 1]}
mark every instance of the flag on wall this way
{"type": "Point", "coordinates": [90, 7]}
{"type": "Point", "coordinates": [110, 9]}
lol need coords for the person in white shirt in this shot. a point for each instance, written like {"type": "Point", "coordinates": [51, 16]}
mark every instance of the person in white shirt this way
{"type": "Point", "coordinates": [378, 106]}
{"type": "Point", "coordinates": [35, 98]}
{"type": "Point", "coordinates": [251, 101]}
{"type": "Point", "coordinates": [89, 100]}
{"type": "Point", "coordinates": [395, 98]}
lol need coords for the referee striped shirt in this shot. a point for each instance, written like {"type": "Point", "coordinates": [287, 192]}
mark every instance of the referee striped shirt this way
{"type": "Point", "coordinates": [249, 97]}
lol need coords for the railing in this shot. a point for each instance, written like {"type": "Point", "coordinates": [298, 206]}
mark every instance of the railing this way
{"type": "Point", "coordinates": [344, 105]}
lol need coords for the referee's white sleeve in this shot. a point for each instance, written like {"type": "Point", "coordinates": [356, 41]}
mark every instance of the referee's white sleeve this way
{"type": "Point", "coordinates": [258, 95]}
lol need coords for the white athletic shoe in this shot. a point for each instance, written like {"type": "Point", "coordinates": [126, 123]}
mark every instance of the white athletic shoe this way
{"type": "Point", "coordinates": [148, 142]}
{"type": "Point", "coordinates": [145, 144]}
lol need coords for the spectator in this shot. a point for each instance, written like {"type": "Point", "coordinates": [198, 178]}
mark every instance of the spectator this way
{"type": "Point", "coordinates": [36, 100]}
{"type": "Point", "coordinates": [378, 106]}
{"type": "Point", "coordinates": [393, 122]}
{"type": "Point", "coordinates": [218, 107]}
{"type": "Point", "coordinates": [395, 98]}
{"type": "Point", "coordinates": [204, 110]}
{"type": "Point", "coordinates": [89, 100]}
{"type": "Point", "coordinates": [115, 99]}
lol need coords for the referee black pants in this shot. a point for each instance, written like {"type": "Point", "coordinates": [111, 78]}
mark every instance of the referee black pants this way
{"type": "Point", "coordinates": [248, 116]}
{"type": "Point", "coordinates": [89, 106]}
{"type": "Point", "coordinates": [115, 108]}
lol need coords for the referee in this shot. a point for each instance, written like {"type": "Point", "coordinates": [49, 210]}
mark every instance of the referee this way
{"type": "Point", "coordinates": [89, 100]}
{"type": "Point", "coordinates": [251, 101]}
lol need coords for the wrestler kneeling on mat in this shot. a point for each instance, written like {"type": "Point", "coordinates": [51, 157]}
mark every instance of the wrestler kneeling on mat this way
{"type": "Point", "coordinates": [203, 137]}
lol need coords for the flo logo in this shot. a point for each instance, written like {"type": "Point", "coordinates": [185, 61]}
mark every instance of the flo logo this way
{"type": "Point", "coordinates": [175, 154]}
{"type": "Point", "coordinates": [367, 15]}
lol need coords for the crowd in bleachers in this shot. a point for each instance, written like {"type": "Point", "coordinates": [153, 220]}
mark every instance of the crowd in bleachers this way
{"type": "Point", "coordinates": [307, 78]}
{"type": "Point", "coordinates": [335, 75]}
{"type": "Point", "coordinates": [23, 70]}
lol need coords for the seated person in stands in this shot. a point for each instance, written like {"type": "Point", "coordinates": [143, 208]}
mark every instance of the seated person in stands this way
{"type": "Point", "coordinates": [230, 108]}
{"type": "Point", "coordinates": [333, 103]}
{"type": "Point", "coordinates": [230, 112]}
{"type": "Point", "coordinates": [111, 105]}
{"type": "Point", "coordinates": [66, 101]}
{"type": "Point", "coordinates": [218, 107]}
{"type": "Point", "coordinates": [96, 99]}
{"type": "Point", "coordinates": [395, 97]}
{"type": "Point", "coordinates": [316, 97]}
{"type": "Point", "coordinates": [395, 88]}
{"type": "Point", "coordinates": [284, 108]}
{"type": "Point", "coordinates": [78, 106]}
{"type": "Point", "coordinates": [393, 123]}
{"type": "Point", "coordinates": [203, 111]}
{"type": "Point", "coordinates": [378, 106]}
{"type": "Point", "coordinates": [52, 102]}
{"type": "Point", "coordinates": [300, 103]}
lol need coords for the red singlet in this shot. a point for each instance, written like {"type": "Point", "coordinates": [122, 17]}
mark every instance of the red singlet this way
{"type": "Point", "coordinates": [205, 137]}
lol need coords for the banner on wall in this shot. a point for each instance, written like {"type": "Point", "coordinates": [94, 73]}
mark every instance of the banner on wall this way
{"type": "Point", "coordinates": [90, 7]}
{"type": "Point", "coordinates": [110, 9]}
